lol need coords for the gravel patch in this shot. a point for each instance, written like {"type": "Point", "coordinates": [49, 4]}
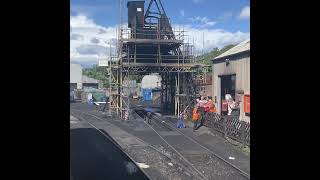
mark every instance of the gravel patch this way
{"type": "Point", "coordinates": [214, 168]}
{"type": "Point", "coordinates": [160, 167]}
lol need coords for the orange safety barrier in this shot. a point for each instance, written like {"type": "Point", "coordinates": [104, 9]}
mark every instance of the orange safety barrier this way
{"type": "Point", "coordinates": [247, 103]}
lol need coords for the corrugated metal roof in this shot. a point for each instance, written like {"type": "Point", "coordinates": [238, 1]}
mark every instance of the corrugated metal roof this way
{"type": "Point", "coordinates": [243, 46]}
{"type": "Point", "coordinates": [86, 79]}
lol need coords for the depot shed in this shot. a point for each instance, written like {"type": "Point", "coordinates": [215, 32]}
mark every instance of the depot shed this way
{"type": "Point", "coordinates": [80, 81]}
{"type": "Point", "coordinates": [231, 75]}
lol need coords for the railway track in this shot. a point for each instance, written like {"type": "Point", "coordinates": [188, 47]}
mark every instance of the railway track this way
{"type": "Point", "coordinates": [157, 121]}
{"type": "Point", "coordinates": [80, 116]}
{"type": "Point", "coordinates": [143, 114]}
{"type": "Point", "coordinates": [157, 124]}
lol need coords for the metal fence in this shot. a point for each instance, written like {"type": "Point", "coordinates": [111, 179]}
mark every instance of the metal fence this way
{"type": "Point", "coordinates": [230, 126]}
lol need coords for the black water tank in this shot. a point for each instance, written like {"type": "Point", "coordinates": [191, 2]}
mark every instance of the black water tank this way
{"type": "Point", "coordinates": [135, 13]}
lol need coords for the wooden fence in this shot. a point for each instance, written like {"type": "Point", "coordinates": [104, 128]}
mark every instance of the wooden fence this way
{"type": "Point", "coordinates": [229, 126]}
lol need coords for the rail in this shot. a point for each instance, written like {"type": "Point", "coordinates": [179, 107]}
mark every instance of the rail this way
{"type": "Point", "coordinates": [154, 117]}
{"type": "Point", "coordinates": [80, 116]}
{"type": "Point", "coordinates": [186, 160]}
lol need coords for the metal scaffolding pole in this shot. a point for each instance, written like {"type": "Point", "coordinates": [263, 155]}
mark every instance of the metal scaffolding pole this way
{"type": "Point", "coordinates": [110, 81]}
{"type": "Point", "coordinates": [129, 87]}
{"type": "Point", "coordinates": [155, 54]}
{"type": "Point", "coordinates": [120, 89]}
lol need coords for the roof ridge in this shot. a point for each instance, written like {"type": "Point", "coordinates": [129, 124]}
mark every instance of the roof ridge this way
{"type": "Point", "coordinates": [240, 47]}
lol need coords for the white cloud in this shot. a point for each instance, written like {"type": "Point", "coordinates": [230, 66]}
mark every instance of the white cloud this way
{"type": "Point", "coordinates": [82, 21]}
{"type": "Point", "coordinates": [182, 12]}
{"type": "Point", "coordinates": [212, 37]}
{"type": "Point", "coordinates": [89, 10]}
{"type": "Point", "coordinates": [91, 49]}
{"type": "Point", "coordinates": [204, 21]}
{"type": "Point", "coordinates": [95, 40]}
{"type": "Point", "coordinates": [245, 13]}
{"type": "Point", "coordinates": [75, 36]}
{"type": "Point", "coordinates": [89, 41]}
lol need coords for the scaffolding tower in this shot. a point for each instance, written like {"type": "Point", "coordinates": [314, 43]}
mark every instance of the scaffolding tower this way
{"type": "Point", "coordinates": [147, 45]}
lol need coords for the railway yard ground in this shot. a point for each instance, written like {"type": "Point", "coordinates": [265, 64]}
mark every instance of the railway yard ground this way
{"type": "Point", "coordinates": [104, 147]}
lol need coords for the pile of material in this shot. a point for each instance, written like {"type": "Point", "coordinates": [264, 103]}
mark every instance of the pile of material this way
{"type": "Point", "coordinates": [93, 94]}
{"type": "Point", "coordinates": [77, 94]}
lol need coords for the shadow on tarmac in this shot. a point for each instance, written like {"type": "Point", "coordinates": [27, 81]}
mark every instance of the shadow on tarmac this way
{"type": "Point", "coordinates": [94, 157]}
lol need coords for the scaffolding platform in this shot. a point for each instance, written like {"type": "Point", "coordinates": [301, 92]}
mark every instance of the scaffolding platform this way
{"type": "Point", "coordinates": [152, 41]}
{"type": "Point", "coordinates": [159, 67]}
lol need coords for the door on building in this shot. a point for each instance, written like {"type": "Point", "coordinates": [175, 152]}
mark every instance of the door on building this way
{"type": "Point", "coordinates": [92, 85]}
{"type": "Point", "coordinates": [228, 86]}
{"type": "Point", "coordinates": [73, 86]}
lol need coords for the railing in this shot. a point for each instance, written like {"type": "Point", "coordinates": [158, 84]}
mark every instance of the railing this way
{"type": "Point", "coordinates": [229, 126]}
{"type": "Point", "coordinates": [152, 34]}
{"type": "Point", "coordinates": [152, 58]}
{"type": "Point", "coordinates": [202, 82]}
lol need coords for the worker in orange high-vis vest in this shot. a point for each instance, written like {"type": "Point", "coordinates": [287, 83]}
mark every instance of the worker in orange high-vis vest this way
{"type": "Point", "coordinates": [195, 118]}
{"type": "Point", "coordinates": [213, 109]}
{"type": "Point", "coordinates": [208, 105]}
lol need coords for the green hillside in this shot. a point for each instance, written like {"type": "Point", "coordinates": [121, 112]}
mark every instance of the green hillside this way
{"type": "Point", "coordinates": [99, 73]}
{"type": "Point", "coordinates": [206, 58]}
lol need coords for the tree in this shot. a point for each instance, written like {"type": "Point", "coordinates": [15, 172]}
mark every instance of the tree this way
{"type": "Point", "coordinates": [208, 57]}
{"type": "Point", "coordinates": [99, 73]}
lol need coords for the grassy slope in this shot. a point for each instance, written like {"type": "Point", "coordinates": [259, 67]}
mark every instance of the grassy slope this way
{"type": "Point", "coordinates": [206, 58]}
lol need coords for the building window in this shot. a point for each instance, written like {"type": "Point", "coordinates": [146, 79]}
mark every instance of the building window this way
{"type": "Point", "coordinates": [139, 9]}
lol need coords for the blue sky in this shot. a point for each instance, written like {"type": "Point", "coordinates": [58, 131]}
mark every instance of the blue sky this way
{"type": "Point", "coordinates": [223, 22]}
